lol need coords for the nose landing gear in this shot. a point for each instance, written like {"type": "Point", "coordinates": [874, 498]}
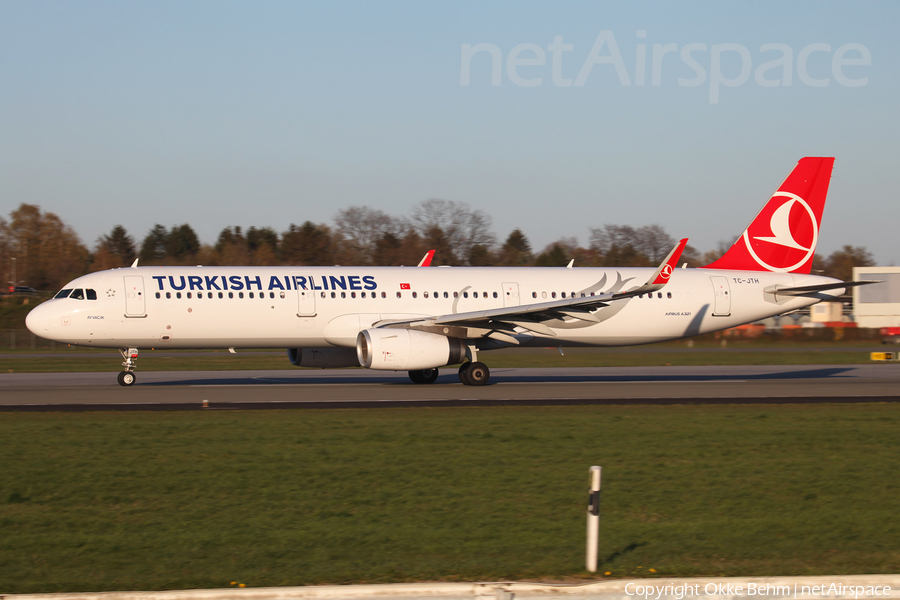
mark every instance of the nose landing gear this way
{"type": "Point", "coordinates": [127, 377]}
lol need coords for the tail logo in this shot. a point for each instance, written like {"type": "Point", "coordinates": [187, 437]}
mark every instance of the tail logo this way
{"type": "Point", "coordinates": [795, 231]}
{"type": "Point", "coordinates": [666, 271]}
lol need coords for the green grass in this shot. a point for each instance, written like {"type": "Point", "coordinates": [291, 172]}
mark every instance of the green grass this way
{"type": "Point", "coordinates": [106, 501]}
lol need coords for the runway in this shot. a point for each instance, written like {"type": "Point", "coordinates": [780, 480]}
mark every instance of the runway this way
{"type": "Point", "coordinates": [357, 388]}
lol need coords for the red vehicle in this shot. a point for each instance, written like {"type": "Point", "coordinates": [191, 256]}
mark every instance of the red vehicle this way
{"type": "Point", "coordinates": [890, 335]}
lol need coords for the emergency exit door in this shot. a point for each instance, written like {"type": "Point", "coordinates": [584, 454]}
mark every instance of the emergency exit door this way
{"type": "Point", "coordinates": [510, 294]}
{"type": "Point", "coordinates": [306, 297]}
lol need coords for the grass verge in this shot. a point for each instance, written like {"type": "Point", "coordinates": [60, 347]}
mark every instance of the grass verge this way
{"type": "Point", "coordinates": [116, 501]}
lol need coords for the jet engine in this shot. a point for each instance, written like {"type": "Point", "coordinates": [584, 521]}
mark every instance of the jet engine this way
{"type": "Point", "coordinates": [323, 358]}
{"type": "Point", "coordinates": [390, 349]}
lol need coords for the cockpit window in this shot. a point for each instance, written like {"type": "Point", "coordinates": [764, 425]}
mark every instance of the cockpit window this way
{"type": "Point", "coordinates": [77, 295]}
{"type": "Point", "coordinates": [91, 294]}
{"type": "Point", "coordinates": [63, 293]}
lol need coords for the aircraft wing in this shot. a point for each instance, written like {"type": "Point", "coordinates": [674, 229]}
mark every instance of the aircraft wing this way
{"type": "Point", "coordinates": [530, 316]}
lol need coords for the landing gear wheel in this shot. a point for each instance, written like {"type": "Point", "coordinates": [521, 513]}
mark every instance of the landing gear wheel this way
{"type": "Point", "coordinates": [463, 369]}
{"type": "Point", "coordinates": [126, 378]}
{"type": "Point", "coordinates": [424, 376]}
{"type": "Point", "coordinates": [478, 374]}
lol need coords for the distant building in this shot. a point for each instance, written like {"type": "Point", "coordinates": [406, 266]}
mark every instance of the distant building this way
{"type": "Point", "coordinates": [877, 305]}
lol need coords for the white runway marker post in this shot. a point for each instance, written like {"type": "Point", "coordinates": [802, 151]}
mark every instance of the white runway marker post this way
{"type": "Point", "coordinates": [593, 519]}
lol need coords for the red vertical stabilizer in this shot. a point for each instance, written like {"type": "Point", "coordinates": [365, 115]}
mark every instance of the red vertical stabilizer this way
{"type": "Point", "coordinates": [783, 236]}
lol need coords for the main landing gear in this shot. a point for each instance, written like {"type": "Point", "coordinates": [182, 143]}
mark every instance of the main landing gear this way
{"type": "Point", "coordinates": [474, 373]}
{"type": "Point", "coordinates": [471, 372]}
{"type": "Point", "coordinates": [127, 378]}
{"type": "Point", "coordinates": [424, 376]}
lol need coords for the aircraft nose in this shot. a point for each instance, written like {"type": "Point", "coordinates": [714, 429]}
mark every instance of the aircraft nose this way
{"type": "Point", "coordinates": [38, 321]}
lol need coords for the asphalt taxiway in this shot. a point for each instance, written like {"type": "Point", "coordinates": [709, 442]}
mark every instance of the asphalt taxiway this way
{"type": "Point", "coordinates": [189, 390]}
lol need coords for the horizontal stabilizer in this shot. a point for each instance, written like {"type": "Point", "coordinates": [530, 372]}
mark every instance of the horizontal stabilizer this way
{"type": "Point", "coordinates": [806, 290]}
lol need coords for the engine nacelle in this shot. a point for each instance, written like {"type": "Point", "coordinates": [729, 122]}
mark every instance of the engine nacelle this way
{"type": "Point", "coordinates": [323, 358]}
{"type": "Point", "coordinates": [397, 349]}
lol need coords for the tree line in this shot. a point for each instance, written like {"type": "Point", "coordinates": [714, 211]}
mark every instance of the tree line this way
{"type": "Point", "coordinates": [38, 250]}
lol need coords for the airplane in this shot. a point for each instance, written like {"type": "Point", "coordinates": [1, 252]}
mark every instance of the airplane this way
{"type": "Point", "coordinates": [422, 319]}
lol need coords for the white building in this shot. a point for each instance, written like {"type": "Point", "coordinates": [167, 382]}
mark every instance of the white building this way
{"type": "Point", "coordinates": [877, 305]}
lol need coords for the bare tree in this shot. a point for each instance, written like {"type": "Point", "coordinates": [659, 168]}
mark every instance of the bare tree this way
{"type": "Point", "coordinates": [462, 227]}
{"type": "Point", "coordinates": [653, 242]}
{"type": "Point", "coordinates": [604, 239]}
{"type": "Point", "coordinates": [362, 227]}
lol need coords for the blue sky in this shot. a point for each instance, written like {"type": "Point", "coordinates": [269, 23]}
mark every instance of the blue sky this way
{"type": "Point", "coordinates": [240, 113]}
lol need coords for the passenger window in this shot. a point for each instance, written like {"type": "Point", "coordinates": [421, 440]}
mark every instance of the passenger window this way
{"type": "Point", "coordinates": [544, 295]}
{"type": "Point", "coordinates": [157, 294]}
{"type": "Point", "coordinates": [189, 295]}
{"type": "Point", "coordinates": [91, 294]}
{"type": "Point", "coordinates": [563, 294]}
{"type": "Point", "coordinates": [383, 295]}
{"type": "Point", "coordinates": [465, 294]}
{"type": "Point", "coordinates": [281, 294]}
{"type": "Point", "coordinates": [534, 294]}
{"type": "Point", "coordinates": [415, 295]}
{"type": "Point", "coordinates": [495, 294]}
{"type": "Point", "coordinates": [231, 295]}
{"type": "Point", "coordinates": [659, 295]}
{"type": "Point", "coordinates": [209, 295]}
{"type": "Point", "coordinates": [399, 294]}
{"type": "Point", "coordinates": [273, 294]}
{"type": "Point", "coordinates": [669, 295]}
{"type": "Point", "coordinates": [484, 294]}
{"type": "Point", "coordinates": [178, 295]}
{"type": "Point", "coordinates": [456, 294]}
{"type": "Point", "coordinates": [424, 294]}
{"type": "Point", "coordinates": [220, 294]}
{"type": "Point", "coordinates": [553, 294]}
{"type": "Point", "coordinates": [334, 294]}
{"type": "Point", "coordinates": [77, 294]}
{"type": "Point", "coordinates": [446, 295]}
{"type": "Point", "coordinates": [251, 295]}
{"type": "Point", "coordinates": [63, 293]}
{"type": "Point", "coordinates": [168, 295]}
{"type": "Point", "coordinates": [343, 294]}
{"type": "Point", "coordinates": [362, 295]}
{"type": "Point", "coordinates": [437, 296]}
{"type": "Point", "coordinates": [353, 294]}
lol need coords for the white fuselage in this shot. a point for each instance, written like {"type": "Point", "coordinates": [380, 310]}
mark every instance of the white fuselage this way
{"type": "Point", "coordinates": [263, 307]}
